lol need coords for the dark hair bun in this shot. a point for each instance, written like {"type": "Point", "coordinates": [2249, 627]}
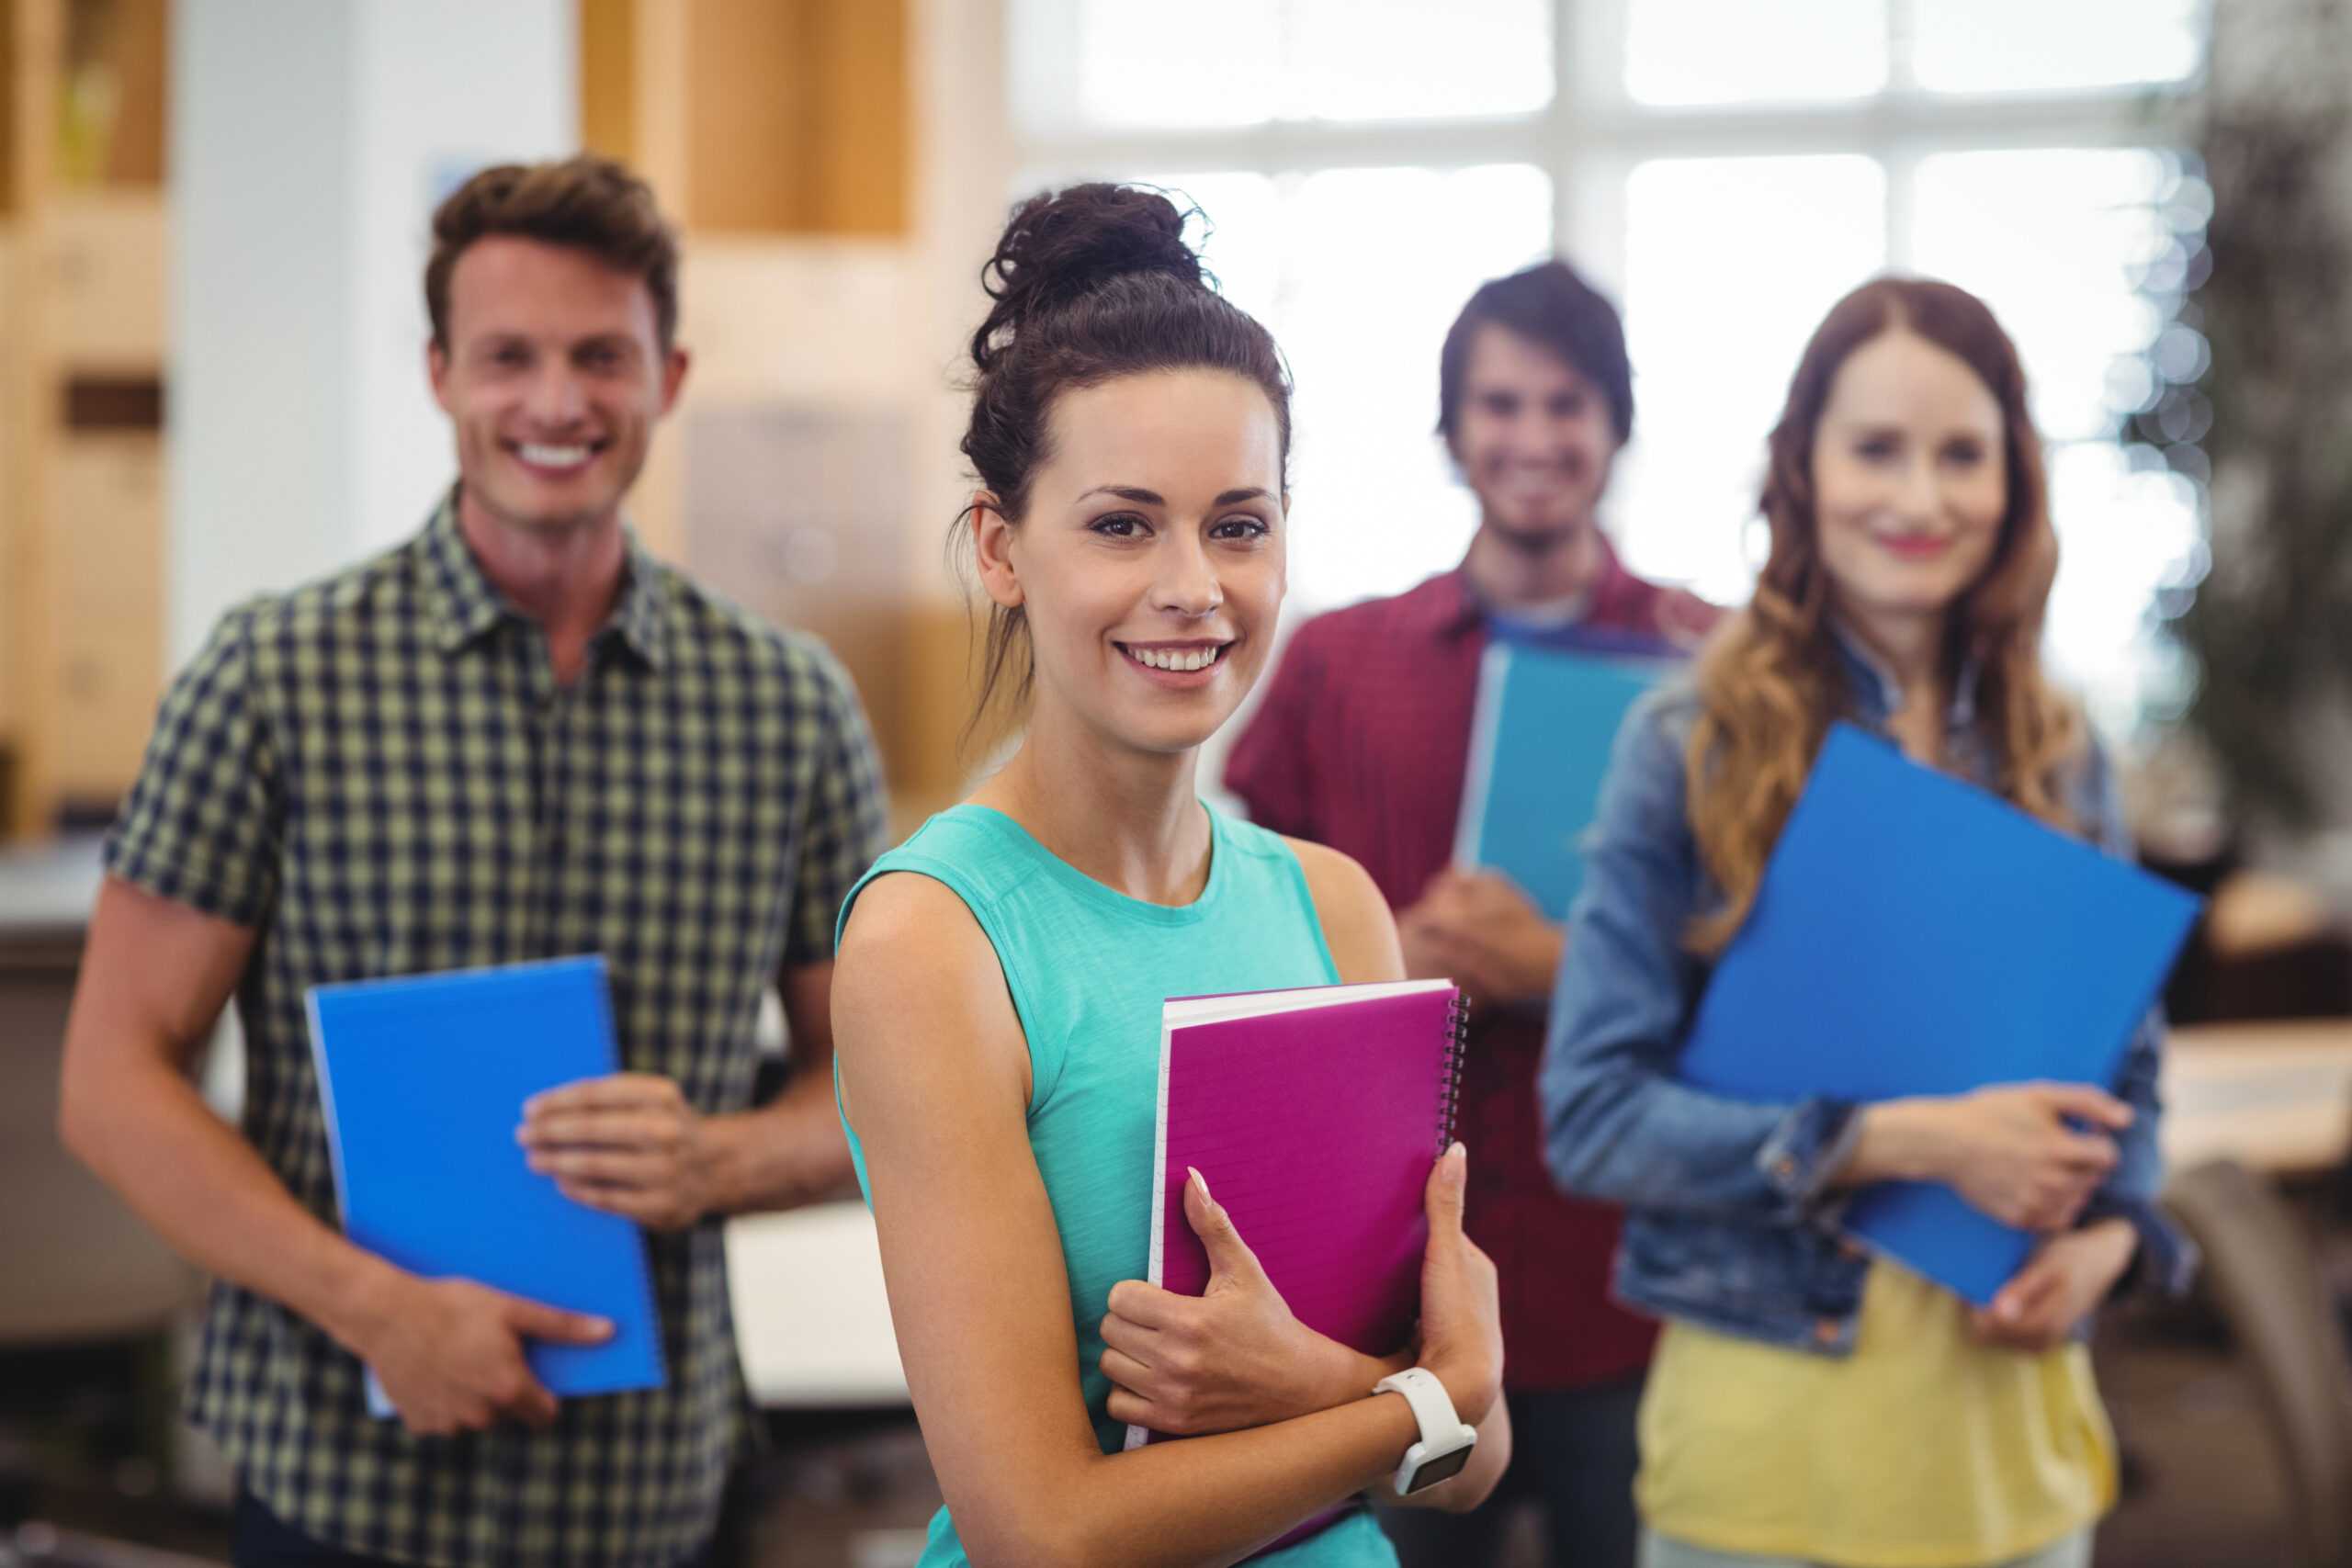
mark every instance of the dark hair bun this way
{"type": "Point", "coordinates": [1062, 246]}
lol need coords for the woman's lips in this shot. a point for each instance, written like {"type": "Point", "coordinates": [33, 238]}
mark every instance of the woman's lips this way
{"type": "Point", "coordinates": [1153, 661]}
{"type": "Point", "coordinates": [1914, 547]}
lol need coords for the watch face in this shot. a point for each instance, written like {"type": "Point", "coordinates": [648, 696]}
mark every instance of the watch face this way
{"type": "Point", "coordinates": [1445, 1467]}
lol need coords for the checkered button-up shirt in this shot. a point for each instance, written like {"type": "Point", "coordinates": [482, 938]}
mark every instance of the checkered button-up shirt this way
{"type": "Point", "coordinates": [380, 775]}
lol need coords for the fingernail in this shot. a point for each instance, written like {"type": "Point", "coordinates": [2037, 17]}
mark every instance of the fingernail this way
{"type": "Point", "coordinates": [1202, 1182]}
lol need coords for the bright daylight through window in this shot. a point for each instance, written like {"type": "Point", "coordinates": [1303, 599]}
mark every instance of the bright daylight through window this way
{"type": "Point", "coordinates": [1725, 169]}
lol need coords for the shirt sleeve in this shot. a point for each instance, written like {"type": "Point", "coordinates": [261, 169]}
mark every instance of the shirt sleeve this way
{"type": "Point", "coordinates": [205, 822]}
{"type": "Point", "coordinates": [848, 817]}
{"type": "Point", "coordinates": [1618, 1125]}
{"type": "Point", "coordinates": [2167, 1260]}
{"type": "Point", "coordinates": [1271, 766]}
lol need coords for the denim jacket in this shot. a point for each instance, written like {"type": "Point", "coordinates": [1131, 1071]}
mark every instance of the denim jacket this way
{"type": "Point", "coordinates": [1727, 1221]}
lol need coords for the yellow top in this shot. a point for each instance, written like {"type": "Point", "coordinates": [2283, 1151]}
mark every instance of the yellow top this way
{"type": "Point", "coordinates": [1921, 1449]}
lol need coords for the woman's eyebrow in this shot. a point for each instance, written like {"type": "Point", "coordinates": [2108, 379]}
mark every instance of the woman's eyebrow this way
{"type": "Point", "coordinates": [1143, 497]}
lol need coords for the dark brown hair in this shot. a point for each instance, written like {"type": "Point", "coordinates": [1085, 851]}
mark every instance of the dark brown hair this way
{"type": "Point", "coordinates": [1552, 305]}
{"type": "Point", "coordinates": [1090, 283]}
{"type": "Point", "coordinates": [1769, 682]}
{"type": "Point", "coordinates": [591, 203]}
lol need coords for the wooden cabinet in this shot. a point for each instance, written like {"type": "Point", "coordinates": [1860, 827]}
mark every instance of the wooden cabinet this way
{"type": "Point", "coordinates": [765, 117]}
{"type": "Point", "coordinates": [82, 332]}
{"type": "Point", "coordinates": [109, 589]}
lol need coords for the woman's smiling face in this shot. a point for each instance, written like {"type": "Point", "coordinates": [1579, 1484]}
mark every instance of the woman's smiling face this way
{"type": "Point", "coordinates": [1151, 561]}
{"type": "Point", "coordinates": [1910, 479]}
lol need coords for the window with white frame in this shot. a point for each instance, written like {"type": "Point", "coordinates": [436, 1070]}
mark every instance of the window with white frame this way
{"type": "Point", "coordinates": [1725, 169]}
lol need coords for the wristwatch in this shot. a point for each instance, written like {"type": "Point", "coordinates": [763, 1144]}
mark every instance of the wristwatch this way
{"type": "Point", "coordinates": [1445, 1442]}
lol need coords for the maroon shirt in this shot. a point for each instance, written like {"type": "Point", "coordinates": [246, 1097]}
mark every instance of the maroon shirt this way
{"type": "Point", "coordinates": [1360, 744]}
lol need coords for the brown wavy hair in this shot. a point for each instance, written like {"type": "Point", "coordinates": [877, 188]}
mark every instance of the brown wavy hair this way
{"type": "Point", "coordinates": [1770, 682]}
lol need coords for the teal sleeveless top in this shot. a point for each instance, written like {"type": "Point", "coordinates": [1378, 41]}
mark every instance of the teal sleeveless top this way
{"type": "Point", "coordinates": [1088, 968]}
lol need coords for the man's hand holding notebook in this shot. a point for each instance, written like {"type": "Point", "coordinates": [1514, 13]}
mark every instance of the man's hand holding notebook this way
{"type": "Point", "coordinates": [422, 1079]}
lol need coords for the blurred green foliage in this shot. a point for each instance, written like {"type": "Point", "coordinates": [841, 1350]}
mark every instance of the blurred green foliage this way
{"type": "Point", "coordinates": [2270, 626]}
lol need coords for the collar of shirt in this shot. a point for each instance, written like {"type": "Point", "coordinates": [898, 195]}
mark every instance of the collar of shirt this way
{"type": "Point", "coordinates": [1879, 693]}
{"type": "Point", "coordinates": [465, 604]}
{"type": "Point", "coordinates": [1609, 600]}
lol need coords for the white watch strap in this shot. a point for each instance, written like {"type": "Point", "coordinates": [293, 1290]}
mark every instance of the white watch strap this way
{"type": "Point", "coordinates": [1433, 1407]}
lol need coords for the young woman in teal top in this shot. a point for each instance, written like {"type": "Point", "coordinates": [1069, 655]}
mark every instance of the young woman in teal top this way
{"type": "Point", "coordinates": [997, 998]}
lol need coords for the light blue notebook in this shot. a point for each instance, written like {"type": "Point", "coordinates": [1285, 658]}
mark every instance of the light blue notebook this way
{"type": "Point", "coordinates": [1539, 746]}
{"type": "Point", "coordinates": [423, 1081]}
{"type": "Point", "coordinates": [1913, 935]}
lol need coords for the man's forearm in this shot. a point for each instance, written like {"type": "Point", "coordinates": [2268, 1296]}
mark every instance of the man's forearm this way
{"type": "Point", "coordinates": [793, 1151]}
{"type": "Point", "coordinates": [785, 1153]}
{"type": "Point", "coordinates": [148, 1134]}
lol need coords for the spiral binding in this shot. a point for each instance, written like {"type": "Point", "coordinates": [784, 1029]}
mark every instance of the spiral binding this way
{"type": "Point", "coordinates": [1449, 1082]}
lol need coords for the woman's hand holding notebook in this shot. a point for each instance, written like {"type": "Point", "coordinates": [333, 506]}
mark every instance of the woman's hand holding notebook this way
{"type": "Point", "coordinates": [1313, 1115]}
{"type": "Point", "coordinates": [1233, 1357]}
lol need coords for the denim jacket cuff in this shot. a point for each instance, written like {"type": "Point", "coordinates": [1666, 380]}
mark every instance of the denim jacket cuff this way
{"type": "Point", "coordinates": [1806, 1148]}
{"type": "Point", "coordinates": [2165, 1261]}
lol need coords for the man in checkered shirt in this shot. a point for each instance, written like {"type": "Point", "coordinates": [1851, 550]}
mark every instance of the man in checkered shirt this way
{"type": "Point", "coordinates": [517, 736]}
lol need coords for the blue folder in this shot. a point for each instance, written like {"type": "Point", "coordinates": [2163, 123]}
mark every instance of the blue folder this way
{"type": "Point", "coordinates": [423, 1081]}
{"type": "Point", "coordinates": [1914, 935]}
{"type": "Point", "coordinates": [1539, 747]}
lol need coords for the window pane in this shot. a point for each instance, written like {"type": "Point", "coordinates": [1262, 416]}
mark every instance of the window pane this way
{"type": "Point", "coordinates": [1377, 264]}
{"type": "Point", "coordinates": [1732, 262]}
{"type": "Point", "coordinates": [1387, 60]}
{"type": "Point", "coordinates": [2123, 533]}
{"type": "Point", "coordinates": [1238, 232]}
{"type": "Point", "coordinates": [1149, 63]}
{"type": "Point", "coordinates": [1992, 46]}
{"type": "Point", "coordinates": [2070, 298]}
{"type": "Point", "coordinates": [1720, 51]}
{"type": "Point", "coordinates": [1184, 64]}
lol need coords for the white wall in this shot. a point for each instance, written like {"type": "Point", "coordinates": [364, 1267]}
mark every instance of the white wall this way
{"type": "Point", "coordinates": [311, 140]}
{"type": "Point", "coordinates": [964, 174]}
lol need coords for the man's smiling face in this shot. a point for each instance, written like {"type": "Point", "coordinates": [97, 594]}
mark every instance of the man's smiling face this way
{"type": "Point", "coordinates": [553, 374]}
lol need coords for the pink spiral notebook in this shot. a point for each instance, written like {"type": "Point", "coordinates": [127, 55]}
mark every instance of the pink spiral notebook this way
{"type": "Point", "coordinates": [1315, 1115]}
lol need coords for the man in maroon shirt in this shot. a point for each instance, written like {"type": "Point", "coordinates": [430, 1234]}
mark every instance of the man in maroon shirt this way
{"type": "Point", "coordinates": [1361, 744]}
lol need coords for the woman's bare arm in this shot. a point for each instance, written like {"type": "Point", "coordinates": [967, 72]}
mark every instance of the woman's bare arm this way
{"type": "Point", "coordinates": [935, 1075]}
{"type": "Point", "coordinates": [1357, 925]}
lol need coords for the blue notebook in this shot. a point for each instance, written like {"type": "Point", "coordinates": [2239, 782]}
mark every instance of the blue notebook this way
{"type": "Point", "coordinates": [423, 1081]}
{"type": "Point", "coordinates": [1539, 748]}
{"type": "Point", "coordinates": [1917, 935]}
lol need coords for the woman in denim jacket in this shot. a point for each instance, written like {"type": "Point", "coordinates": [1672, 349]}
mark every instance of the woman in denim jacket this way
{"type": "Point", "coordinates": [1809, 1406]}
